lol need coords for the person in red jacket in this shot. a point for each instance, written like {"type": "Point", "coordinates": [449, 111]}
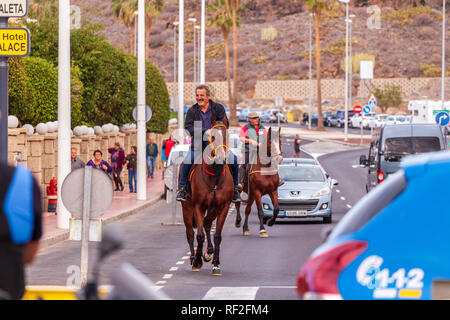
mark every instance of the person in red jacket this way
{"type": "Point", "coordinates": [117, 161]}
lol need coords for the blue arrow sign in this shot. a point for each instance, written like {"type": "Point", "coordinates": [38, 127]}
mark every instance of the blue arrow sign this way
{"type": "Point", "coordinates": [442, 118]}
{"type": "Point", "coordinates": [366, 109]}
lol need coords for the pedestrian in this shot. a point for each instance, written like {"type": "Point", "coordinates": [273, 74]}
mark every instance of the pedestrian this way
{"type": "Point", "coordinates": [152, 153]}
{"type": "Point", "coordinates": [76, 162]}
{"type": "Point", "coordinates": [203, 111]}
{"type": "Point", "coordinates": [297, 143]}
{"type": "Point", "coordinates": [20, 227]}
{"type": "Point", "coordinates": [165, 151]}
{"type": "Point", "coordinates": [99, 163]}
{"type": "Point", "coordinates": [131, 161]}
{"type": "Point", "coordinates": [117, 159]}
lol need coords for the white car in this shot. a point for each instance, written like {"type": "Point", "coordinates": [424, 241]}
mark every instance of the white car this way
{"type": "Point", "coordinates": [355, 121]}
{"type": "Point", "coordinates": [377, 120]}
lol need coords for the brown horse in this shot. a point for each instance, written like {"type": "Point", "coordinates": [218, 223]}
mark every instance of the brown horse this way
{"type": "Point", "coordinates": [211, 185]}
{"type": "Point", "coordinates": [262, 179]}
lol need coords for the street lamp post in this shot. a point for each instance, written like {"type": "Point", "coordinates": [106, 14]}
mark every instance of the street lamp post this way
{"type": "Point", "coordinates": [346, 69]}
{"type": "Point", "coordinates": [193, 20]}
{"type": "Point", "coordinates": [310, 72]}
{"type": "Point", "coordinates": [443, 55]}
{"type": "Point", "coordinates": [135, 31]}
{"type": "Point", "coordinates": [181, 71]}
{"type": "Point", "coordinates": [198, 29]}
{"type": "Point", "coordinates": [202, 47]}
{"type": "Point", "coordinates": [352, 16]}
{"type": "Point", "coordinates": [175, 24]}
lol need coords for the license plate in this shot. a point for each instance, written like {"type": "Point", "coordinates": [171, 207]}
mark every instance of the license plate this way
{"type": "Point", "coordinates": [295, 213]}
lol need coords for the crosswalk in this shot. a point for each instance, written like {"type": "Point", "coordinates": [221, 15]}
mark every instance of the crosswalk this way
{"type": "Point", "coordinates": [232, 293]}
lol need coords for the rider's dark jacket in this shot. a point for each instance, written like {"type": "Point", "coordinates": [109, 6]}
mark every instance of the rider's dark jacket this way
{"type": "Point", "coordinates": [194, 114]}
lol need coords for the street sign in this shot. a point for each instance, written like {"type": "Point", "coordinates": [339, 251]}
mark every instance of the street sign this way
{"type": "Point", "coordinates": [14, 42]}
{"type": "Point", "coordinates": [366, 109]}
{"type": "Point", "coordinates": [148, 113]}
{"type": "Point", "coordinates": [279, 101]}
{"type": "Point", "coordinates": [442, 118]}
{"type": "Point", "coordinates": [372, 102]}
{"type": "Point", "coordinates": [357, 109]}
{"type": "Point", "coordinates": [13, 8]}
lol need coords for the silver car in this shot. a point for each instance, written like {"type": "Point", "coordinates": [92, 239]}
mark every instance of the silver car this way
{"type": "Point", "coordinates": [306, 193]}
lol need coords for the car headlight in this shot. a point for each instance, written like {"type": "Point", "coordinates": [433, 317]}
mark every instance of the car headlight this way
{"type": "Point", "coordinates": [322, 192]}
{"type": "Point", "coordinates": [266, 206]}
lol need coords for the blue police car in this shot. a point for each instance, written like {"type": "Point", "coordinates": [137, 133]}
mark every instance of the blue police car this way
{"type": "Point", "coordinates": [393, 244]}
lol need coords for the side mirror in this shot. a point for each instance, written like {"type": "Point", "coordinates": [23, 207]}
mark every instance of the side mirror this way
{"type": "Point", "coordinates": [363, 161]}
{"type": "Point", "coordinates": [334, 182]}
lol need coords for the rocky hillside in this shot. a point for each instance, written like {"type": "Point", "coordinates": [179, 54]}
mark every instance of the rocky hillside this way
{"type": "Point", "coordinates": [274, 39]}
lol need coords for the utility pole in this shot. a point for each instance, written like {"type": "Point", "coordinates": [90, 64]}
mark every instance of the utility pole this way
{"type": "Point", "coordinates": [443, 55]}
{"type": "Point", "coordinates": [141, 106]}
{"type": "Point", "coordinates": [181, 71]}
{"type": "Point", "coordinates": [202, 45]}
{"type": "Point", "coordinates": [4, 84]}
{"type": "Point", "coordinates": [64, 103]}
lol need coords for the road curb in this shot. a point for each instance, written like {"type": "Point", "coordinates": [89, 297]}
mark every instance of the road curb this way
{"type": "Point", "coordinates": [63, 236]}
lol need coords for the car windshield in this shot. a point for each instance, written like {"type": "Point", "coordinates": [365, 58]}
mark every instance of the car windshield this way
{"type": "Point", "coordinates": [396, 148]}
{"type": "Point", "coordinates": [300, 173]}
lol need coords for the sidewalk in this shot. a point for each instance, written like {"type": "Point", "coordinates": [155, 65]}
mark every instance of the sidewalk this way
{"type": "Point", "coordinates": [123, 204]}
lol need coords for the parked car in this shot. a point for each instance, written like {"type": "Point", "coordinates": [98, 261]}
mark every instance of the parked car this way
{"type": "Point", "coordinates": [243, 115]}
{"type": "Point", "coordinates": [314, 117]}
{"type": "Point", "coordinates": [377, 120]}
{"type": "Point", "coordinates": [176, 155]}
{"type": "Point", "coordinates": [366, 119]}
{"type": "Point", "coordinates": [393, 244]}
{"type": "Point", "coordinates": [398, 119]}
{"type": "Point", "coordinates": [391, 143]}
{"type": "Point", "coordinates": [281, 115]}
{"type": "Point", "coordinates": [267, 116]}
{"type": "Point", "coordinates": [186, 108]}
{"type": "Point", "coordinates": [355, 121]}
{"type": "Point", "coordinates": [337, 118]}
{"type": "Point", "coordinates": [305, 194]}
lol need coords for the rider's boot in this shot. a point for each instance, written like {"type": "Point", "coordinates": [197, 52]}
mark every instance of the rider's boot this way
{"type": "Point", "coordinates": [236, 195]}
{"type": "Point", "coordinates": [182, 194]}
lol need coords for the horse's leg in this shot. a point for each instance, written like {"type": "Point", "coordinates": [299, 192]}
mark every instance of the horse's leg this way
{"type": "Point", "coordinates": [199, 214]}
{"type": "Point", "coordinates": [208, 224]}
{"type": "Point", "coordinates": [248, 208]}
{"type": "Point", "coordinates": [222, 215]}
{"type": "Point", "coordinates": [262, 231]}
{"type": "Point", "coordinates": [187, 217]}
{"type": "Point", "coordinates": [237, 223]}
{"type": "Point", "coordinates": [276, 208]}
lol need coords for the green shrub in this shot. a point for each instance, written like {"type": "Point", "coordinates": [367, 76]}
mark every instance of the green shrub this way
{"type": "Point", "coordinates": [389, 96]}
{"type": "Point", "coordinates": [20, 98]}
{"type": "Point", "coordinates": [269, 34]}
{"type": "Point", "coordinates": [432, 71]}
{"type": "Point", "coordinates": [404, 16]}
{"type": "Point", "coordinates": [356, 60]}
{"type": "Point", "coordinates": [260, 59]}
{"type": "Point", "coordinates": [157, 98]}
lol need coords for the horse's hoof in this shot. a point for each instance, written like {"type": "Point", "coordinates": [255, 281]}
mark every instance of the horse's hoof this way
{"type": "Point", "coordinates": [246, 233]}
{"type": "Point", "coordinates": [270, 222]}
{"type": "Point", "coordinates": [207, 257]}
{"type": "Point", "coordinates": [216, 271]}
{"type": "Point", "coordinates": [195, 269]}
{"type": "Point", "coordinates": [263, 234]}
{"type": "Point", "coordinates": [237, 225]}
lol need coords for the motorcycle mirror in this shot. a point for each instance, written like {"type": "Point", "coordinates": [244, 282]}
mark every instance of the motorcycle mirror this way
{"type": "Point", "coordinates": [112, 240]}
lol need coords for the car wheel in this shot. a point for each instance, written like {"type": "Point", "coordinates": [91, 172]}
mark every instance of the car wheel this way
{"type": "Point", "coordinates": [327, 219]}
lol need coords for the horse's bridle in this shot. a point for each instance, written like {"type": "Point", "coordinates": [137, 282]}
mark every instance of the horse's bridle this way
{"type": "Point", "coordinates": [214, 149]}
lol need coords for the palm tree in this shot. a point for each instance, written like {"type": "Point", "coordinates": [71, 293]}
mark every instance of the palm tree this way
{"type": "Point", "coordinates": [222, 18]}
{"type": "Point", "coordinates": [234, 5]}
{"type": "Point", "coordinates": [124, 10]}
{"type": "Point", "coordinates": [316, 7]}
{"type": "Point", "coordinates": [153, 9]}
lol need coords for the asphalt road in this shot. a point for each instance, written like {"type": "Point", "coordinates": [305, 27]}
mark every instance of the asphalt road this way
{"type": "Point", "coordinates": [252, 267]}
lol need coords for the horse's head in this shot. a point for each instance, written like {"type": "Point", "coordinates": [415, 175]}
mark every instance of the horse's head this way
{"type": "Point", "coordinates": [218, 140]}
{"type": "Point", "coordinates": [274, 144]}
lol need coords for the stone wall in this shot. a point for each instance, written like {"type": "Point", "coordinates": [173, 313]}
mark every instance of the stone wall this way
{"type": "Point", "coordinates": [40, 152]}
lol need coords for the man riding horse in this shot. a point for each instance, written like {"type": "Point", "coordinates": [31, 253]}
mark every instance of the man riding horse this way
{"type": "Point", "coordinates": [252, 135]}
{"type": "Point", "coordinates": [203, 111]}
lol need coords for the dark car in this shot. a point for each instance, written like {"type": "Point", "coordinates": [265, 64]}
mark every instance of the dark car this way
{"type": "Point", "coordinates": [337, 118]}
{"type": "Point", "coordinates": [314, 117]}
{"type": "Point", "coordinates": [391, 143]}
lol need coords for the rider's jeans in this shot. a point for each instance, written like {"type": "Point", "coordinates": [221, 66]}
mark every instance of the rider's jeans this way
{"type": "Point", "coordinates": [186, 167]}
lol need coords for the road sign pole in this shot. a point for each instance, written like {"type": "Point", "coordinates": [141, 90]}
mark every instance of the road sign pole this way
{"type": "Point", "coordinates": [361, 130]}
{"type": "Point", "coordinates": [4, 80]}
{"type": "Point", "coordinates": [85, 224]}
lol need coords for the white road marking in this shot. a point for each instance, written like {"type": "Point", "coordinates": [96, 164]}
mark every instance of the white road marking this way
{"type": "Point", "coordinates": [161, 282]}
{"type": "Point", "coordinates": [180, 262]}
{"type": "Point", "coordinates": [337, 190]}
{"type": "Point", "coordinates": [231, 293]}
{"type": "Point", "coordinates": [167, 276]}
{"type": "Point", "coordinates": [185, 258]}
{"type": "Point", "coordinates": [342, 198]}
{"type": "Point", "coordinates": [173, 269]}
{"type": "Point", "coordinates": [349, 206]}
